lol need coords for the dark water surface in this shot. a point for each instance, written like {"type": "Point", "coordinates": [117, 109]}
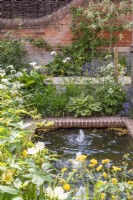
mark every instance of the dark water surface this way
{"type": "Point", "coordinates": [98, 143]}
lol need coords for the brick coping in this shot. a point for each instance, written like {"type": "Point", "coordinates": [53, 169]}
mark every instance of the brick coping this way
{"type": "Point", "coordinates": [86, 122]}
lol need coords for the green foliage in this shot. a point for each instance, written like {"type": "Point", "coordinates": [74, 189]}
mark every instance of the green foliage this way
{"type": "Point", "coordinates": [12, 52]}
{"type": "Point", "coordinates": [61, 67]}
{"type": "Point", "coordinates": [83, 105]}
{"type": "Point", "coordinates": [112, 96]}
{"type": "Point", "coordinates": [25, 168]}
{"type": "Point", "coordinates": [88, 27]}
{"type": "Point", "coordinates": [40, 43]}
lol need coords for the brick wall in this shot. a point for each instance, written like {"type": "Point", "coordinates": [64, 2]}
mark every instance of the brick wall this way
{"type": "Point", "coordinates": [54, 28]}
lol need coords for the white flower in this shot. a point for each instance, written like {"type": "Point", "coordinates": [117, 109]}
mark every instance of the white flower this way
{"type": "Point", "coordinates": [10, 67]}
{"type": "Point", "coordinates": [2, 72]}
{"type": "Point", "coordinates": [66, 60]}
{"type": "Point", "coordinates": [19, 74]}
{"type": "Point", "coordinates": [53, 53]}
{"type": "Point", "coordinates": [13, 71]}
{"type": "Point", "coordinates": [75, 163]}
{"type": "Point", "coordinates": [38, 147]}
{"type": "Point", "coordinates": [58, 193]}
{"type": "Point", "coordinates": [110, 91]}
{"type": "Point", "coordinates": [80, 193]}
{"type": "Point", "coordinates": [2, 87]}
{"type": "Point", "coordinates": [33, 64]}
{"type": "Point", "coordinates": [108, 56]}
{"type": "Point", "coordinates": [37, 67]}
{"type": "Point", "coordinates": [5, 81]}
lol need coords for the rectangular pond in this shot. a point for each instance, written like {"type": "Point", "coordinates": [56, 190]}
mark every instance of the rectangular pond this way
{"type": "Point", "coordinates": [95, 143]}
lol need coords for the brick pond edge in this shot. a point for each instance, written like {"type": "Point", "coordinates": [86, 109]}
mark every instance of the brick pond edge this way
{"type": "Point", "coordinates": [87, 122]}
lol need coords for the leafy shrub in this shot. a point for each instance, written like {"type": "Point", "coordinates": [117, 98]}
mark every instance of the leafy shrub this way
{"type": "Point", "coordinates": [12, 52]}
{"type": "Point", "coordinates": [83, 105]}
{"type": "Point", "coordinates": [61, 67]}
{"type": "Point", "coordinates": [111, 95]}
{"type": "Point", "coordinates": [40, 43]}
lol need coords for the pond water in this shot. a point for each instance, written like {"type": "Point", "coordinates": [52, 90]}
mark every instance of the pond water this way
{"type": "Point", "coordinates": [96, 143]}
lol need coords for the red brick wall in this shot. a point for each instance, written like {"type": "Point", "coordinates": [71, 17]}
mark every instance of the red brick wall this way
{"type": "Point", "coordinates": [55, 28]}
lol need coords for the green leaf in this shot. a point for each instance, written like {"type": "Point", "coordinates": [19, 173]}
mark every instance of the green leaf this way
{"type": "Point", "coordinates": [8, 189]}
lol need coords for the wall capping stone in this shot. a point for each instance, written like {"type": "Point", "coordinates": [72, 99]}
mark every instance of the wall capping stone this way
{"type": "Point", "coordinates": [51, 19]}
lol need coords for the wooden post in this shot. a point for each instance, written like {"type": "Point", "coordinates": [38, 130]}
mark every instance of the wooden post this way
{"type": "Point", "coordinates": [116, 63]}
{"type": "Point", "coordinates": [132, 69]}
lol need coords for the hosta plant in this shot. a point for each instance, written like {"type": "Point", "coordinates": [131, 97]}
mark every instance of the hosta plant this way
{"type": "Point", "coordinates": [83, 105]}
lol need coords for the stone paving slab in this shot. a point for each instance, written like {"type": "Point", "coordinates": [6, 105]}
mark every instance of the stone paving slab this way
{"type": "Point", "coordinates": [83, 80]}
{"type": "Point", "coordinates": [88, 122]}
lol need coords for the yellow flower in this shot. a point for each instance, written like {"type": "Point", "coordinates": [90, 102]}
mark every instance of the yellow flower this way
{"type": "Point", "coordinates": [103, 196]}
{"type": "Point", "coordinates": [91, 165]}
{"type": "Point", "coordinates": [74, 170]}
{"type": "Point", "coordinates": [99, 168]}
{"type": "Point", "coordinates": [7, 177]}
{"type": "Point", "coordinates": [24, 153]}
{"type": "Point", "coordinates": [130, 182]}
{"type": "Point", "coordinates": [93, 162]}
{"type": "Point", "coordinates": [81, 158]}
{"type": "Point", "coordinates": [64, 170]}
{"type": "Point", "coordinates": [115, 169]}
{"type": "Point", "coordinates": [114, 180]}
{"type": "Point", "coordinates": [105, 174]}
{"type": "Point", "coordinates": [113, 197]}
{"type": "Point", "coordinates": [105, 161]}
{"type": "Point", "coordinates": [66, 187]}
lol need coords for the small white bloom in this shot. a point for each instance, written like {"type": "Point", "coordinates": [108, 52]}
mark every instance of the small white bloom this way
{"type": "Point", "coordinates": [33, 64]}
{"type": "Point", "coordinates": [64, 61]}
{"type": "Point", "coordinates": [58, 193]}
{"type": "Point", "coordinates": [5, 81]}
{"type": "Point", "coordinates": [13, 71]}
{"type": "Point", "coordinates": [53, 53]}
{"type": "Point", "coordinates": [68, 58]}
{"type": "Point", "coordinates": [2, 87]}
{"type": "Point", "coordinates": [38, 147]}
{"type": "Point", "coordinates": [2, 72]}
{"type": "Point", "coordinates": [110, 91]}
{"type": "Point", "coordinates": [19, 74]}
{"type": "Point", "coordinates": [37, 67]}
{"type": "Point", "coordinates": [10, 67]}
{"type": "Point", "coordinates": [75, 163]}
{"type": "Point", "coordinates": [32, 151]}
{"type": "Point", "coordinates": [80, 193]}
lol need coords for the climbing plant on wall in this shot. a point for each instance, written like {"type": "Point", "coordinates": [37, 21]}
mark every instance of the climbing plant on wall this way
{"type": "Point", "coordinates": [90, 25]}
